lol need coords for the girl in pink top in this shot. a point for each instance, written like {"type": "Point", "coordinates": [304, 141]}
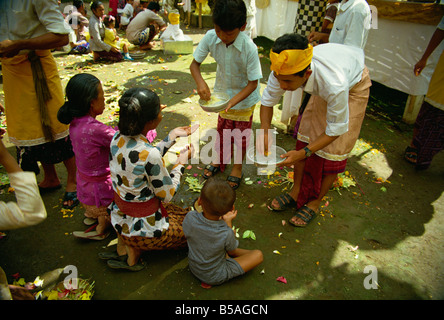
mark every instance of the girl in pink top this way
{"type": "Point", "coordinates": [91, 144]}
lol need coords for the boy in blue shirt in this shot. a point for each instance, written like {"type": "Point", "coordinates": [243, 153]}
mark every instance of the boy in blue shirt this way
{"type": "Point", "coordinates": [238, 74]}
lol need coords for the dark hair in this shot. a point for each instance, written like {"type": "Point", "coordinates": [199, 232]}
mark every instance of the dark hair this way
{"type": "Point", "coordinates": [229, 14]}
{"type": "Point", "coordinates": [137, 107]}
{"type": "Point", "coordinates": [153, 6]}
{"type": "Point", "coordinates": [77, 3]}
{"type": "Point", "coordinates": [80, 91]}
{"type": "Point", "coordinates": [107, 20]}
{"type": "Point", "coordinates": [217, 196]}
{"type": "Point", "coordinates": [291, 41]}
{"type": "Point", "coordinates": [95, 5]}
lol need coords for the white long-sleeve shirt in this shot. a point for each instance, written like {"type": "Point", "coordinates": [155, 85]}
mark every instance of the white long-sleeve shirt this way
{"type": "Point", "coordinates": [29, 208]}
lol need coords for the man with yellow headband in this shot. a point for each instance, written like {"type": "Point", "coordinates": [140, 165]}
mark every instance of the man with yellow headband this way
{"type": "Point", "coordinates": [339, 84]}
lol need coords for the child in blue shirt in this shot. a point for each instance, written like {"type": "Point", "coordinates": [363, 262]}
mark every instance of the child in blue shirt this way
{"type": "Point", "coordinates": [238, 74]}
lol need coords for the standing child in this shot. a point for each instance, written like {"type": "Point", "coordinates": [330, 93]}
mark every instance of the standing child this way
{"type": "Point", "coordinates": [113, 39]}
{"type": "Point", "coordinates": [238, 74]}
{"type": "Point", "coordinates": [142, 183]}
{"type": "Point", "coordinates": [90, 141]}
{"type": "Point", "coordinates": [210, 237]}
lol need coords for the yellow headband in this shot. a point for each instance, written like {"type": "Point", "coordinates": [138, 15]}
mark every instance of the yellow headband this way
{"type": "Point", "coordinates": [291, 61]}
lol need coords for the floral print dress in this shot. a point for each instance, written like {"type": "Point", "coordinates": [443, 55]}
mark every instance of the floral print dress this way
{"type": "Point", "coordinates": [138, 174]}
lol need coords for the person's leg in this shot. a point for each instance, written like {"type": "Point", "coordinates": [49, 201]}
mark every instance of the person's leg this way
{"type": "Point", "coordinates": [247, 259]}
{"type": "Point", "coordinates": [297, 176]}
{"type": "Point", "coordinates": [71, 181]}
{"type": "Point", "coordinates": [326, 184]}
{"type": "Point", "coordinates": [50, 178]}
{"type": "Point", "coordinates": [133, 255]}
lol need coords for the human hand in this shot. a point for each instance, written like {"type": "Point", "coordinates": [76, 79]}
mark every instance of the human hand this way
{"type": "Point", "coordinates": [9, 48]}
{"type": "Point", "coordinates": [419, 66]}
{"type": "Point", "coordinates": [264, 141]}
{"type": "Point", "coordinates": [185, 154]}
{"type": "Point", "coordinates": [115, 50]}
{"type": "Point", "coordinates": [292, 157]}
{"type": "Point", "coordinates": [229, 216]}
{"type": "Point", "coordinates": [184, 131]}
{"type": "Point", "coordinates": [204, 91]}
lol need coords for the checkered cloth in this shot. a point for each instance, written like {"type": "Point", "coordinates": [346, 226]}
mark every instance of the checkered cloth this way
{"type": "Point", "coordinates": [310, 16]}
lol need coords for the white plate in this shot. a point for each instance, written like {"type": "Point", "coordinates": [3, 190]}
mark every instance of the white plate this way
{"type": "Point", "coordinates": [273, 158]}
{"type": "Point", "coordinates": [218, 102]}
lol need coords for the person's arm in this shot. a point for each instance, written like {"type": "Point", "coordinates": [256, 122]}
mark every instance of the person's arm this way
{"type": "Point", "coordinates": [229, 216]}
{"type": "Point", "coordinates": [29, 209]}
{"type": "Point", "coordinates": [10, 48]}
{"type": "Point", "coordinates": [202, 87]}
{"type": "Point", "coordinates": [241, 95]}
{"type": "Point", "coordinates": [434, 42]}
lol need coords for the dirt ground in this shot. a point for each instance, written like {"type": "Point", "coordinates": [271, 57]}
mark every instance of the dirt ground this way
{"type": "Point", "coordinates": [391, 218]}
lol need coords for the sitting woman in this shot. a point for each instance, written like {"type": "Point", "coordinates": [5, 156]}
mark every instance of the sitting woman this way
{"type": "Point", "coordinates": [100, 49]}
{"type": "Point", "coordinates": [140, 213]}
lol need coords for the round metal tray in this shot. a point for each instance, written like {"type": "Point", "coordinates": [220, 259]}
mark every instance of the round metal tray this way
{"type": "Point", "coordinates": [217, 103]}
{"type": "Point", "coordinates": [273, 158]}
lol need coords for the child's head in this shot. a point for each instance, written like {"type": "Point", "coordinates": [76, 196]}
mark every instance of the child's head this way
{"type": "Point", "coordinates": [229, 18]}
{"type": "Point", "coordinates": [139, 107]}
{"type": "Point", "coordinates": [290, 57]}
{"type": "Point", "coordinates": [217, 197]}
{"type": "Point", "coordinates": [153, 6]}
{"type": "Point", "coordinates": [109, 21]}
{"type": "Point", "coordinates": [84, 95]}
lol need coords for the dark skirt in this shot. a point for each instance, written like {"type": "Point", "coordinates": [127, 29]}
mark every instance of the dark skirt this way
{"type": "Point", "coordinates": [429, 137]}
{"type": "Point", "coordinates": [47, 153]}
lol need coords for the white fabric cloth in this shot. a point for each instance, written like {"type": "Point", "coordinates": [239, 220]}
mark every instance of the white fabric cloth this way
{"type": "Point", "coordinates": [392, 51]}
{"type": "Point", "coordinates": [331, 79]}
{"type": "Point", "coordinates": [29, 208]}
{"type": "Point", "coordinates": [276, 19]}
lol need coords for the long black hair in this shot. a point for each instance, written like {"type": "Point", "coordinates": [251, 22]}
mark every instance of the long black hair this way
{"type": "Point", "coordinates": [137, 107]}
{"type": "Point", "coordinates": [80, 91]}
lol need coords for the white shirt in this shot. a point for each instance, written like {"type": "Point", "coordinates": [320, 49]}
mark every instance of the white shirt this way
{"type": "Point", "coordinates": [27, 19]}
{"type": "Point", "coordinates": [29, 209]}
{"type": "Point", "coordinates": [331, 79]}
{"type": "Point", "coordinates": [236, 65]}
{"type": "Point", "coordinates": [352, 23]}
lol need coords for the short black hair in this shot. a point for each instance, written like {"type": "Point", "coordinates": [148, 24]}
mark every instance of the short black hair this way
{"type": "Point", "coordinates": [217, 196]}
{"type": "Point", "coordinates": [153, 6]}
{"type": "Point", "coordinates": [291, 41]}
{"type": "Point", "coordinates": [95, 5]}
{"type": "Point", "coordinates": [137, 107]}
{"type": "Point", "coordinates": [229, 14]}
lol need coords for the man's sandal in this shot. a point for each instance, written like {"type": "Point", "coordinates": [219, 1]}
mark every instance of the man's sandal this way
{"type": "Point", "coordinates": [112, 255]}
{"type": "Point", "coordinates": [70, 196]}
{"type": "Point", "coordinates": [236, 180]}
{"type": "Point", "coordinates": [212, 169]}
{"type": "Point", "coordinates": [305, 214]}
{"type": "Point", "coordinates": [285, 201]}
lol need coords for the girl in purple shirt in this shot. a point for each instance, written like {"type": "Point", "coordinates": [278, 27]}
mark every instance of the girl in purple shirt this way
{"type": "Point", "coordinates": [91, 144]}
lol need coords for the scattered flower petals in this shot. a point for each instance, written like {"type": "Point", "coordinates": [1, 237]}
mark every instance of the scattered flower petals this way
{"type": "Point", "coordinates": [282, 279]}
{"type": "Point", "coordinates": [276, 252]}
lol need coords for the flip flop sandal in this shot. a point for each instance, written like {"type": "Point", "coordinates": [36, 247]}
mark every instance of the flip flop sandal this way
{"type": "Point", "coordinates": [212, 169]}
{"type": "Point", "coordinates": [112, 255]}
{"type": "Point", "coordinates": [90, 234]}
{"type": "Point", "coordinates": [410, 155]}
{"type": "Point", "coordinates": [235, 180]}
{"type": "Point", "coordinates": [117, 264]}
{"type": "Point", "coordinates": [89, 221]}
{"type": "Point", "coordinates": [285, 201]}
{"type": "Point", "coordinates": [304, 213]}
{"type": "Point", "coordinates": [70, 196]}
